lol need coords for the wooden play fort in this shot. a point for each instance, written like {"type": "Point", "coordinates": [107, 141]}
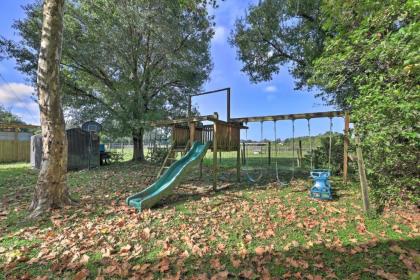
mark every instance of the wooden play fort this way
{"type": "Point", "coordinates": [225, 135]}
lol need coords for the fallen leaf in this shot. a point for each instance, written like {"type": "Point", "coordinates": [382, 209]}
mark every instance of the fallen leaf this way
{"type": "Point", "coordinates": [215, 263]}
{"type": "Point", "coordinates": [221, 247]}
{"type": "Point", "coordinates": [386, 275]}
{"type": "Point", "coordinates": [259, 251]}
{"type": "Point", "coordinates": [82, 274]}
{"type": "Point", "coordinates": [125, 249]}
{"type": "Point", "coordinates": [247, 274]}
{"type": "Point", "coordinates": [248, 238]}
{"type": "Point", "coordinates": [84, 259]}
{"type": "Point", "coordinates": [235, 262]}
{"type": "Point", "coordinates": [164, 265]}
{"type": "Point", "coordinates": [220, 276]}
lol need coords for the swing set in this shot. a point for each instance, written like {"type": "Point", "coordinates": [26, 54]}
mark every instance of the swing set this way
{"type": "Point", "coordinates": [225, 137]}
{"type": "Point", "coordinates": [259, 170]}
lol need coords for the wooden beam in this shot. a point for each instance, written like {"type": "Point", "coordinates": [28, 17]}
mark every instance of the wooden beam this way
{"type": "Point", "coordinates": [289, 117]}
{"type": "Point", "coordinates": [228, 105]}
{"type": "Point", "coordinates": [15, 125]}
{"type": "Point", "coordinates": [227, 90]}
{"type": "Point", "coordinates": [215, 167]}
{"type": "Point", "coordinates": [211, 91]}
{"type": "Point", "coordinates": [238, 163]}
{"type": "Point", "coordinates": [192, 133]}
{"type": "Point", "coordinates": [362, 174]}
{"type": "Point", "coordinates": [201, 168]}
{"type": "Point", "coordinates": [189, 106]}
{"type": "Point", "coordinates": [182, 120]}
{"type": "Point", "coordinates": [346, 146]}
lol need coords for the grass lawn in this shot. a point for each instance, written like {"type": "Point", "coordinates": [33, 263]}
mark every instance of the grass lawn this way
{"type": "Point", "coordinates": [242, 231]}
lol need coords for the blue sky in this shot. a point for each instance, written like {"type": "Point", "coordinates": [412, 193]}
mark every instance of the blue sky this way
{"type": "Point", "coordinates": [274, 97]}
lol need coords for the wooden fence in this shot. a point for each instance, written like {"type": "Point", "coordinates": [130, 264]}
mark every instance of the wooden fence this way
{"type": "Point", "coordinates": [14, 147]}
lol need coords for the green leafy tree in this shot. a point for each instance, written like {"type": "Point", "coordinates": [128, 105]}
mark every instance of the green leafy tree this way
{"type": "Point", "coordinates": [125, 62]}
{"type": "Point", "coordinates": [8, 117]}
{"type": "Point", "coordinates": [51, 190]}
{"type": "Point", "coordinates": [277, 33]}
{"type": "Point", "coordinates": [375, 48]}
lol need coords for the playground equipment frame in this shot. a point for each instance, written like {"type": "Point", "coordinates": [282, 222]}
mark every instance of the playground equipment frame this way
{"type": "Point", "coordinates": [225, 135]}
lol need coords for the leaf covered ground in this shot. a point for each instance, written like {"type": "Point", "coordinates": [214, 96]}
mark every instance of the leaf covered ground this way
{"type": "Point", "coordinates": [239, 232]}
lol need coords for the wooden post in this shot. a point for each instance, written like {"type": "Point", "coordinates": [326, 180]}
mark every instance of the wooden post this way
{"type": "Point", "coordinates": [299, 154]}
{"type": "Point", "coordinates": [362, 174]}
{"type": "Point", "coordinates": [243, 153]}
{"type": "Point", "coordinates": [269, 153]}
{"type": "Point", "coordinates": [228, 105]}
{"type": "Point", "coordinates": [215, 167]}
{"type": "Point", "coordinates": [238, 163]}
{"type": "Point", "coordinates": [346, 146]}
{"type": "Point", "coordinates": [16, 144]}
{"type": "Point", "coordinates": [189, 105]}
{"type": "Point", "coordinates": [201, 168]}
{"type": "Point", "coordinates": [192, 133]}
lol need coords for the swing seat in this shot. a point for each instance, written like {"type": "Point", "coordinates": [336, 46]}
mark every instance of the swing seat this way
{"type": "Point", "coordinates": [324, 193]}
{"type": "Point", "coordinates": [320, 173]}
{"type": "Point", "coordinates": [322, 187]}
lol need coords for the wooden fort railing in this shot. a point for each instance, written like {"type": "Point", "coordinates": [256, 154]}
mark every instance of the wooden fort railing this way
{"type": "Point", "coordinates": [228, 135]}
{"type": "Point", "coordinates": [225, 136]}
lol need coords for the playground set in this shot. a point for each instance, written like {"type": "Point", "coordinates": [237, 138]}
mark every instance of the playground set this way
{"type": "Point", "coordinates": [193, 139]}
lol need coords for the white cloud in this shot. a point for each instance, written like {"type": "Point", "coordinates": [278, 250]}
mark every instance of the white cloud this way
{"type": "Point", "coordinates": [270, 89]}
{"type": "Point", "coordinates": [14, 92]}
{"type": "Point", "coordinates": [18, 98]}
{"type": "Point", "coordinates": [220, 35]}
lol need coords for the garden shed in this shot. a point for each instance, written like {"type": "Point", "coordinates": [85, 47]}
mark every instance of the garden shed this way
{"type": "Point", "coordinates": [83, 149]}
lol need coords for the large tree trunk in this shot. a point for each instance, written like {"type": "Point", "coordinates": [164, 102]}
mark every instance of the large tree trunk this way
{"type": "Point", "coordinates": [51, 189]}
{"type": "Point", "coordinates": [138, 148]}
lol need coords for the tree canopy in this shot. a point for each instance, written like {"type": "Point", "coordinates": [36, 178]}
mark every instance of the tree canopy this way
{"type": "Point", "coordinates": [277, 33]}
{"type": "Point", "coordinates": [375, 49]}
{"type": "Point", "coordinates": [363, 56]}
{"type": "Point", "coordinates": [8, 117]}
{"type": "Point", "coordinates": [125, 62]}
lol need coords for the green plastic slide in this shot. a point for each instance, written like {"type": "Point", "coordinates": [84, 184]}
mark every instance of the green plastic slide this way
{"type": "Point", "coordinates": [170, 179]}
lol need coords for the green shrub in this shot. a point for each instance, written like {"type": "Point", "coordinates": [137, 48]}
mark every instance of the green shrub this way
{"type": "Point", "coordinates": [320, 154]}
{"type": "Point", "coordinates": [372, 58]}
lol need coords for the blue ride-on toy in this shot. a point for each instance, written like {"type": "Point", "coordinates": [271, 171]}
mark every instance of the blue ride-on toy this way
{"type": "Point", "coordinates": [322, 187]}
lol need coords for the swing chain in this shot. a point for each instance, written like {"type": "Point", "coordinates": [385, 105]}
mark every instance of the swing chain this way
{"type": "Point", "coordinates": [330, 145]}
{"type": "Point", "coordinates": [275, 139]}
{"type": "Point", "coordinates": [310, 143]}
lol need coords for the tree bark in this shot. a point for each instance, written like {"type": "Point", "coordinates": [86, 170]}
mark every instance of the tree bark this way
{"type": "Point", "coordinates": [51, 190]}
{"type": "Point", "coordinates": [138, 147]}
